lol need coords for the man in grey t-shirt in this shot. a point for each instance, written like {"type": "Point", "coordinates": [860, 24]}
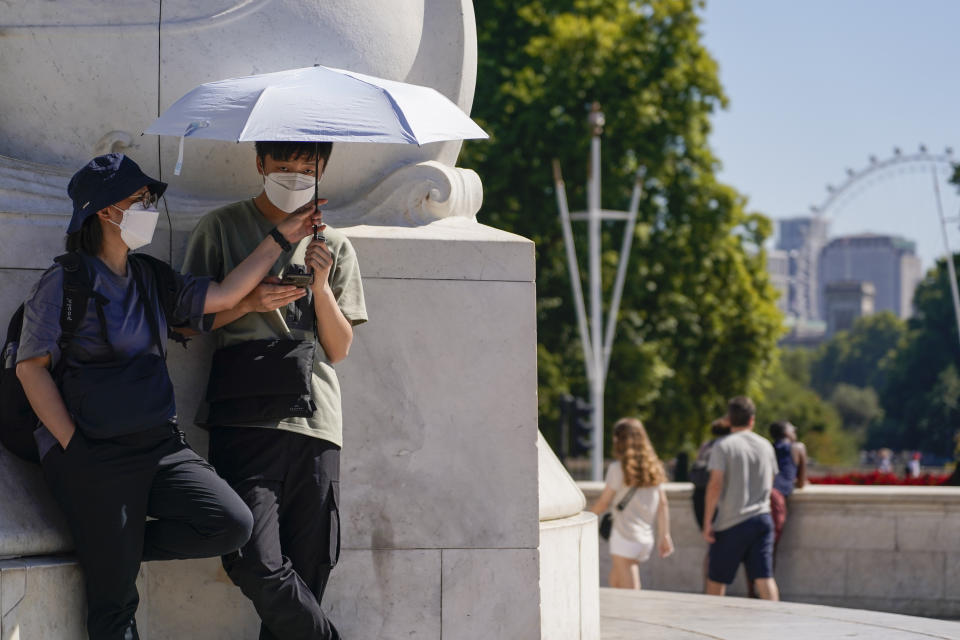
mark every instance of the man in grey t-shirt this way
{"type": "Point", "coordinates": [742, 467]}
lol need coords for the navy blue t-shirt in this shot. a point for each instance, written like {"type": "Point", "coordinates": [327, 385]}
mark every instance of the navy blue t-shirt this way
{"type": "Point", "coordinates": [787, 475]}
{"type": "Point", "coordinates": [128, 329]}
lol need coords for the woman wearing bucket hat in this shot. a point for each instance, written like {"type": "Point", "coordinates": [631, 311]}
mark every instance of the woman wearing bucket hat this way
{"type": "Point", "coordinates": [110, 449]}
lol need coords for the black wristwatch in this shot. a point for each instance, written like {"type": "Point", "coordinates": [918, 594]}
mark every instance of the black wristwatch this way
{"type": "Point", "coordinates": [283, 242]}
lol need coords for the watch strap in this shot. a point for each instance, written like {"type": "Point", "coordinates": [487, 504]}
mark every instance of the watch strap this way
{"type": "Point", "coordinates": [283, 242]}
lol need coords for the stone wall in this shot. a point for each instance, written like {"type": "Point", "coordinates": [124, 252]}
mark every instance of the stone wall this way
{"type": "Point", "coordinates": [893, 549]}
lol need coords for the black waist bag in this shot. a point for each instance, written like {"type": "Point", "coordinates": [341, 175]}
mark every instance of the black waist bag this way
{"type": "Point", "coordinates": [261, 380]}
{"type": "Point", "coordinates": [118, 398]}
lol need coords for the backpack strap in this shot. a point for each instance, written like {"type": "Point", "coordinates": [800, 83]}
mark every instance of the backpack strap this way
{"type": "Point", "coordinates": [165, 279]}
{"type": "Point", "coordinates": [167, 285]}
{"type": "Point", "coordinates": [141, 268]}
{"type": "Point", "coordinates": [77, 291]}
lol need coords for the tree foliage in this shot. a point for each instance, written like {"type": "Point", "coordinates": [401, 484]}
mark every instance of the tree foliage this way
{"type": "Point", "coordinates": [895, 383]}
{"type": "Point", "coordinates": [698, 321]}
{"type": "Point", "coordinates": [859, 357]}
{"type": "Point", "coordinates": [921, 395]}
{"type": "Point", "coordinates": [819, 424]}
{"type": "Point", "coordinates": [858, 407]}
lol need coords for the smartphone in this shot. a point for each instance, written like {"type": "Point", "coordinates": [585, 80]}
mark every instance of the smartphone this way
{"type": "Point", "coordinates": [296, 275]}
{"type": "Point", "coordinates": [297, 279]}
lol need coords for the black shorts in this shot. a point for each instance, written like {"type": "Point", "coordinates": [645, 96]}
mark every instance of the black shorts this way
{"type": "Point", "coordinates": [750, 542]}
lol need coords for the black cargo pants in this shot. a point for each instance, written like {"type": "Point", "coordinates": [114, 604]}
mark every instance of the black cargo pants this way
{"type": "Point", "coordinates": [107, 488]}
{"type": "Point", "coordinates": [291, 483]}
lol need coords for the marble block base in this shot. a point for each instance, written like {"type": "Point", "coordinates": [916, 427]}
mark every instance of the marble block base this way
{"type": "Point", "coordinates": [439, 468]}
{"type": "Point", "coordinates": [569, 601]}
{"type": "Point", "coordinates": [569, 606]}
{"type": "Point", "coordinates": [43, 598]}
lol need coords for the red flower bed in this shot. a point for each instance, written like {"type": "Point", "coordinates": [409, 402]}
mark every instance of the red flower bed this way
{"type": "Point", "coordinates": [876, 477]}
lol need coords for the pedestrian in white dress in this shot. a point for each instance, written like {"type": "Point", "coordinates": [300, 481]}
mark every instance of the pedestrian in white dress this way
{"type": "Point", "coordinates": [638, 470]}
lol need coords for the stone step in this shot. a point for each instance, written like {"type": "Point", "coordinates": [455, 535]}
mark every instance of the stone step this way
{"type": "Point", "coordinates": [659, 615]}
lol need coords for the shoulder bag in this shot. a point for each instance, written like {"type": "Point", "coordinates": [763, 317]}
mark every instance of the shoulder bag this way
{"type": "Point", "coordinates": [606, 520]}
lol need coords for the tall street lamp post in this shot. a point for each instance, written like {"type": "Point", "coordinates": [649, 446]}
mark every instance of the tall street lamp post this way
{"type": "Point", "coordinates": [596, 340]}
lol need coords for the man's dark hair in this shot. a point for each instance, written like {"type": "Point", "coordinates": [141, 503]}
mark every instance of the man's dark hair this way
{"type": "Point", "coordinates": [778, 430]}
{"type": "Point", "coordinates": [740, 410]}
{"type": "Point", "coordinates": [89, 238]}
{"type": "Point", "coordinates": [294, 150]}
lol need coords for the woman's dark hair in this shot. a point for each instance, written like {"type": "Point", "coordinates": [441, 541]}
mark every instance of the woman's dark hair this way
{"type": "Point", "coordinates": [719, 427]}
{"type": "Point", "coordinates": [778, 429]}
{"type": "Point", "coordinates": [89, 238]}
{"type": "Point", "coordinates": [292, 150]}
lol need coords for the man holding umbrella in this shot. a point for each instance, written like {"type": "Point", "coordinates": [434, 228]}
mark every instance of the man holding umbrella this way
{"type": "Point", "coordinates": [273, 407]}
{"type": "Point", "coordinates": [274, 403]}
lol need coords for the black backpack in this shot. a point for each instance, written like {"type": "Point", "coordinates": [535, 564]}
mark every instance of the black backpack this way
{"type": "Point", "coordinates": [699, 470]}
{"type": "Point", "coordinates": [17, 418]}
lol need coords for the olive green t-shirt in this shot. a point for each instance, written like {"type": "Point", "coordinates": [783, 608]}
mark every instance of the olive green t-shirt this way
{"type": "Point", "coordinates": [220, 241]}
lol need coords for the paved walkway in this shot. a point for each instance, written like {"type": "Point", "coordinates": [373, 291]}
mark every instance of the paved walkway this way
{"type": "Point", "coordinates": [660, 615]}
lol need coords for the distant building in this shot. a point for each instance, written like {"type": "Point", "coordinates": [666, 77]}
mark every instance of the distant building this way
{"type": "Point", "coordinates": [889, 263]}
{"type": "Point", "coordinates": [795, 231]}
{"type": "Point", "coordinates": [845, 301]}
{"type": "Point", "coordinates": [778, 266]}
{"type": "Point", "coordinates": [802, 238]}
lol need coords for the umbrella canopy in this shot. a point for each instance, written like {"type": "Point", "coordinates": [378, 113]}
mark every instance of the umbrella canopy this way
{"type": "Point", "coordinates": [315, 104]}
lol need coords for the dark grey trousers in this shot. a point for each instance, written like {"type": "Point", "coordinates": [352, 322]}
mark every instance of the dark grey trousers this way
{"type": "Point", "coordinates": [291, 483]}
{"type": "Point", "coordinates": [107, 488]}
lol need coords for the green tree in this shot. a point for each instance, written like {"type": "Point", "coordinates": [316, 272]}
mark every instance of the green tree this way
{"type": "Point", "coordinates": [797, 363]}
{"type": "Point", "coordinates": [859, 357]}
{"type": "Point", "coordinates": [858, 407]}
{"type": "Point", "coordinates": [698, 321]}
{"type": "Point", "coordinates": [818, 423]}
{"type": "Point", "coordinates": [922, 390]}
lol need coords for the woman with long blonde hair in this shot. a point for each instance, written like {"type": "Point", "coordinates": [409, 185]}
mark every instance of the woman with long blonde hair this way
{"type": "Point", "coordinates": [634, 480]}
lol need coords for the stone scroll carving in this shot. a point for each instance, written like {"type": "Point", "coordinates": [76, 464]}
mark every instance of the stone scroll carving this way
{"type": "Point", "coordinates": [418, 194]}
{"type": "Point", "coordinates": [52, 54]}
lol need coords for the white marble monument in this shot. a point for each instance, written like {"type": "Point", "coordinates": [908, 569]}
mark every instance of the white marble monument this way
{"type": "Point", "coordinates": [447, 532]}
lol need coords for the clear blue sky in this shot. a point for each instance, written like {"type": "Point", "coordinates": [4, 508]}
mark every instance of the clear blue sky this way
{"type": "Point", "coordinates": [817, 86]}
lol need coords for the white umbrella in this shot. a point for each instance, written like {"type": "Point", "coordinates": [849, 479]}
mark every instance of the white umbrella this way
{"type": "Point", "coordinates": [315, 104]}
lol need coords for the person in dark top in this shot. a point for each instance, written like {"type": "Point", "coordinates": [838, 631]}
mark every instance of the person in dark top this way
{"type": "Point", "coordinates": [699, 473]}
{"type": "Point", "coordinates": [110, 449]}
{"type": "Point", "coordinates": [792, 473]}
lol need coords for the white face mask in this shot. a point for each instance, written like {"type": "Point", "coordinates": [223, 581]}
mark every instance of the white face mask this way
{"type": "Point", "coordinates": [288, 191]}
{"type": "Point", "coordinates": [137, 225]}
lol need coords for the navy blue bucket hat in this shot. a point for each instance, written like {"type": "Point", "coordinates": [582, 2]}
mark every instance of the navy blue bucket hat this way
{"type": "Point", "coordinates": [106, 180]}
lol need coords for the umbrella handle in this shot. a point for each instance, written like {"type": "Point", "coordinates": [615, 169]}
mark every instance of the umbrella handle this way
{"type": "Point", "coordinates": [317, 234]}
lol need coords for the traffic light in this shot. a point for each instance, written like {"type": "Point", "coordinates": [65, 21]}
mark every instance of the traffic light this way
{"type": "Point", "coordinates": [581, 427]}
{"type": "Point", "coordinates": [576, 427]}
